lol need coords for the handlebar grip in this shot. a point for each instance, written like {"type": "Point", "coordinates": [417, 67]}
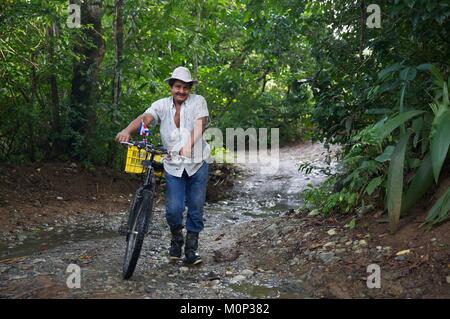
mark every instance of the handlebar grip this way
{"type": "Point", "coordinates": [127, 143]}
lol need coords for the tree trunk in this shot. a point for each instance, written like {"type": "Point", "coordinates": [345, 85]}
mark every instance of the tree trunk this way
{"type": "Point", "coordinates": [116, 85]}
{"type": "Point", "coordinates": [263, 89]}
{"type": "Point", "coordinates": [197, 44]}
{"type": "Point", "coordinates": [52, 32]}
{"type": "Point", "coordinates": [90, 47]}
{"type": "Point", "coordinates": [118, 39]}
{"type": "Point", "coordinates": [30, 122]}
{"type": "Point", "coordinates": [363, 29]}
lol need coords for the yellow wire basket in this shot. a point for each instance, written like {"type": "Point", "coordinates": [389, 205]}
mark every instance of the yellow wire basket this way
{"type": "Point", "coordinates": [135, 156]}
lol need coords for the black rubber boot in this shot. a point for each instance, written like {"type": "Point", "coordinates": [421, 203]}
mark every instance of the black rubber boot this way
{"type": "Point", "coordinates": [176, 243]}
{"type": "Point", "coordinates": [190, 250]}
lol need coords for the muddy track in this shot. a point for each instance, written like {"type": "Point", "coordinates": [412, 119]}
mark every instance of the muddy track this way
{"type": "Point", "coordinates": [255, 245]}
{"type": "Point", "coordinates": [98, 250]}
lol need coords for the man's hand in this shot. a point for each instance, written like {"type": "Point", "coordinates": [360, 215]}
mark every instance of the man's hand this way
{"type": "Point", "coordinates": [196, 134]}
{"type": "Point", "coordinates": [186, 151]}
{"type": "Point", "coordinates": [123, 136]}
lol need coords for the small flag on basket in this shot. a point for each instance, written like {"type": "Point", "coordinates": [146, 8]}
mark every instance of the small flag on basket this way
{"type": "Point", "coordinates": [144, 131]}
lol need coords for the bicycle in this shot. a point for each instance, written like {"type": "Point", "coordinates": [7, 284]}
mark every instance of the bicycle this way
{"type": "Point", "coordinates": [141, 209]}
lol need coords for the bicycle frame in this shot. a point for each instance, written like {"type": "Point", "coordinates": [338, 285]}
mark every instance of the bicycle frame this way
{"type": "Point", "coordinates": [148, 165]}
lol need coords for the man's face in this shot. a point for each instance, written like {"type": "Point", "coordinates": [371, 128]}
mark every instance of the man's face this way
{"type": "Point", "coordinates": [180, 91]}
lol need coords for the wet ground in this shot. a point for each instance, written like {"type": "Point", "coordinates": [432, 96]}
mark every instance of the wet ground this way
{"type": "Point", "coordinates": [255, 245]}
{"type": "Point", "coordinates": [44, 254]}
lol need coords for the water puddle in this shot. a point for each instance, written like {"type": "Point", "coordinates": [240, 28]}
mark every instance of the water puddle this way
{"type": "Point", "coordinates": [260, 214]}
{"type": "Point", "coordinates": [44, 240]}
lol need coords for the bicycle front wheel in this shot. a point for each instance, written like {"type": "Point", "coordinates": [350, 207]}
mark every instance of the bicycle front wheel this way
{"type": "Point", "coordinates": [141, 214]}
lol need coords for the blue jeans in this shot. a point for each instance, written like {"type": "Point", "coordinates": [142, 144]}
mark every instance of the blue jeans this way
{"type": "Point", "coordinates": [190, 191]}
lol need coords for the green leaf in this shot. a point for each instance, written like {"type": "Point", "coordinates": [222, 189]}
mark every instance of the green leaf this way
{"type": "Point", "coordinates": [395, 122]}
{"type": "Point", "coordinates": [379, 111]}
{"type": "Point", "coordinates": [351, 224]}
{"type": "Point", "coordinates": [420, 183]}
{"type": "Point", "coordinates": [388, 86]}
{"type": "Point", "coordinates": [402, 98]}
{"type": "Point", "coordinates": [408, 74]}
{"type": "Point", "coordinates": [445, 94]}
{"type": "Point", "coordinates": [142, 86]}
{"type": "Point", "coordinates": [433, 70]}
{"type": "Point", "coordinates": [440, 210]}
{"type": "Point", "coordinates": [427, 121]}
{"type": "Point", "coordinates": [414, 163]}
{"type": "Point", "coordinates": [440, 139]}
{"type": "Point", "coordinates": [392, 68]}
{"type": "Point", "coordinates": [417, 125]}
{"type": "Point", "coordinates": [386, 156]}
{"type": "Point", "coordinates": [424, 67]}
{"type": "Point", "coordinates": [395, 183]}
{"type": "Point", "coordinates": [373, 184]}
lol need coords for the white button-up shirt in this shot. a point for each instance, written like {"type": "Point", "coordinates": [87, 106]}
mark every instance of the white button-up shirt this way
{"type": "Point", "coordinates": [174, 138]}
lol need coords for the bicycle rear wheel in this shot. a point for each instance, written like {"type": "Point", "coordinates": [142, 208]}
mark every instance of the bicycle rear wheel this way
{"type": "Point", "coordinates": [141, 214]}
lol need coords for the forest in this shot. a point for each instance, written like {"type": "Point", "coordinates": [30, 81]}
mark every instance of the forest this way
{"type": "Point", "coordinates": [315, 69]}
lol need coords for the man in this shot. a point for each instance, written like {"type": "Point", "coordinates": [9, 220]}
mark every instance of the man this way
{"type": "Point", "coordinates": [182, 118]}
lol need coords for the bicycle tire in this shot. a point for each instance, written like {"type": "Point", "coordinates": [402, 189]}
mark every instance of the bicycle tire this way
{"type": "Point", "coordinates": [141, 214]}
{"type": "Point", "coordinates": [135, 203]}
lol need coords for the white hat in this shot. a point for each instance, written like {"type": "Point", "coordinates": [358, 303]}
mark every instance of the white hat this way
{"type": "Point", "coordinates": [181, 73]}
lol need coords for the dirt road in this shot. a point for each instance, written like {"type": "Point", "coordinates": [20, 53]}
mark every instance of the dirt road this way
{"type": "Point", "coordinates": [255, 245]}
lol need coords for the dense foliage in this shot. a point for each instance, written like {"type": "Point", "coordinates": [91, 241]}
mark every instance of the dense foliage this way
{"type": "Point", "coordinates": [382, 94]}
{"type": "Point", "coordinates": [247, 62]}
{"type": "Point", "coordinates": [312, 68]}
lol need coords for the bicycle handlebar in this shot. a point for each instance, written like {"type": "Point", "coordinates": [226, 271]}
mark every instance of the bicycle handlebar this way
{"type": "Point", "coordinates": [147, 146]}
{"type": "Point", "coordinates": [127, 143]}
{"type": "Point", "coordinates": [150, 148]}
